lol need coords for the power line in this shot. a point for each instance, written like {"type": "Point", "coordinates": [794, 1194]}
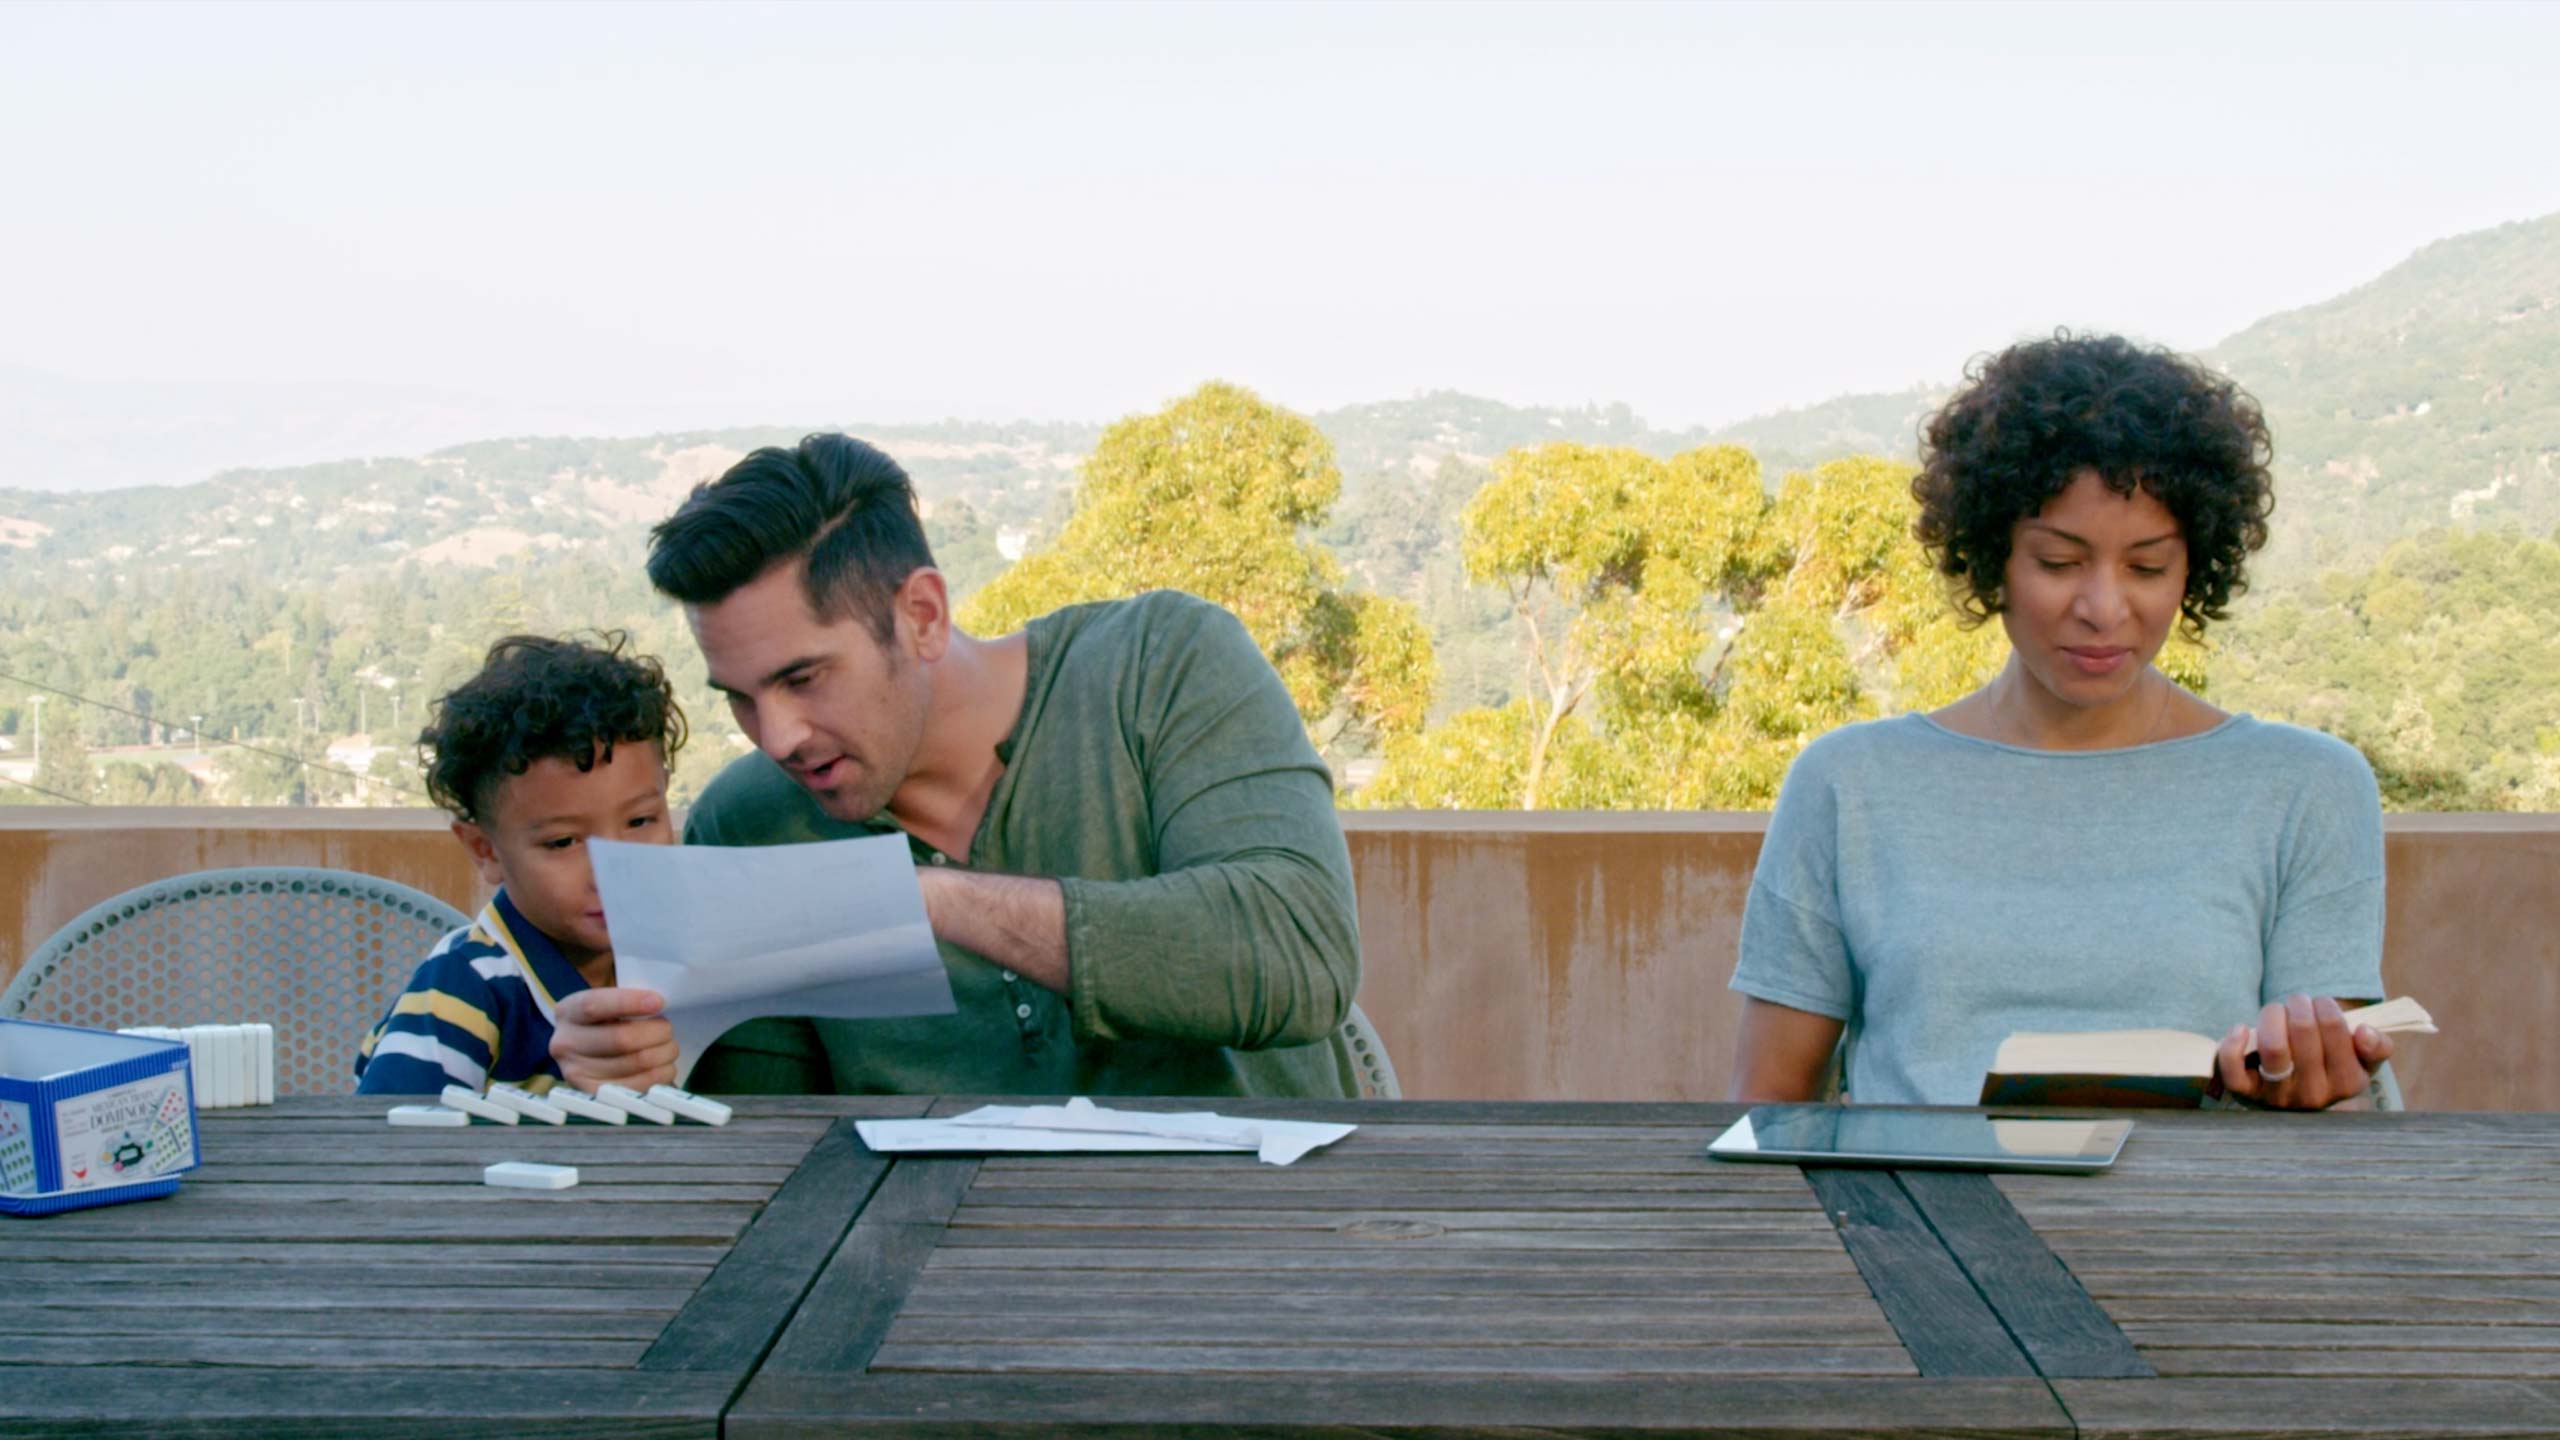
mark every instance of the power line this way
{"type": "Point", "coordinates": [56, 794]}
{"type": "Point", "coordinates": [307, 764]}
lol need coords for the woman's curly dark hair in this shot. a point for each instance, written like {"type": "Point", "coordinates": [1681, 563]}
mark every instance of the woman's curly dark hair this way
{"type": "Point", "coordinates": [2040, 412]}
{"type": "Point", "coordinates": [538, 698]}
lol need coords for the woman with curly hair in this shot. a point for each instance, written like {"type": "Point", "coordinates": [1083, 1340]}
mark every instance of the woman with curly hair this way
{"type": "Point", "coordinates": [2081, 844]}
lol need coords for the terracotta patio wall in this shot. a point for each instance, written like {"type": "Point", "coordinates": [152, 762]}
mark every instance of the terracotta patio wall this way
{"type": "Point", "coordinates": [1518, 956]}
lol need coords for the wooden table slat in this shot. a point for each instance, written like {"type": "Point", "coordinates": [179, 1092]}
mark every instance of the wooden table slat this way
{"type": "Point", "coordinates": [2047, 1314]}
{"type": "Point", "coordinates": [1176, 1324]}
{"type": "Point", "coordinates": [2276, 1408]}
{"type": "Point", "coordinates": [856, 1298]}
{"type": "Point", "coordinates": [222, 1316]}
{"type": "Point", "coordinates": [1352, 1407]}
{"type": "Point", "coordinates": [1367, 1259]}
{"type": "Point", "coordinates": [1946, 1325]}
{"type": "Point", "coordinates": [1402, 1360]}
{"type": "Point", "coordinates": [468, 1352]}
{"type": "Point", "coordinates": [743, 1305]}
{"type": "Point", "coordinates": [563, 1302]}
{"type": "Point", "coordinates": [1476, 1283]}
{"type": "Point", "coordinates": [390, 1403]}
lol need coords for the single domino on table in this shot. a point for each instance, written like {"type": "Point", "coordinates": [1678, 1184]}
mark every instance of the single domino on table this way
{"type": "Point", "coordinates": [689, 1105]}
{"type": "Point", "coordinates": [525, 1175]}
{"type": "Point", "coordinates": [623, 1097]}
{"type": "Point", "coordinates": [528, 1104]}
{"type": "Point", "coordinates": [431, 1116]}
{"type": "Point", "coordinates": [470, 1103]}
{"type": "Point", "coordinates": [583, 1106]}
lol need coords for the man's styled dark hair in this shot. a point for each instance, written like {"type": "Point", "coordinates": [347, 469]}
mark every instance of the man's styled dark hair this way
{"type": "Point", "coordinates": [537, 698]}
{"type": "Point", "coordinates": [840, 503]}
{"type": "Point", "coordinates": [2040, 412]}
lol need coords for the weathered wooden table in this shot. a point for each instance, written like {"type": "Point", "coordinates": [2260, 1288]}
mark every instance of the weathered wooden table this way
{"type": "Point", "coordinates": [1450, 1269]}
{"type": "Point", "coordinates": [327, 1274]}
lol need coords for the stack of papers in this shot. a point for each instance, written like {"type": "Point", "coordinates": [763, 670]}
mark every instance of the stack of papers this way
{"type": "Point", "coordinates": [1081, 1125]}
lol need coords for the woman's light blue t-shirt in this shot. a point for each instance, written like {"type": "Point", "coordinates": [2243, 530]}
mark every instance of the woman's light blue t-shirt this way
{"type": "Point", "coordinates": [1938, 892]}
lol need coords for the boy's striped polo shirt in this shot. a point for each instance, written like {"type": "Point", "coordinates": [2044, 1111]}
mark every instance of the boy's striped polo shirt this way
{"type": "Point", "coordinates": [478, 1010]}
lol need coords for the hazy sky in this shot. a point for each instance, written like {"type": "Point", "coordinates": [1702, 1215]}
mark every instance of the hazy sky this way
{"type": "Point", "coordinates": [696, 215]}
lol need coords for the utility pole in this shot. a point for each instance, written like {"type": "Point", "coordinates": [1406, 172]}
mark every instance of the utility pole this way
{"type": "Point", "coordinates": [37, 701]}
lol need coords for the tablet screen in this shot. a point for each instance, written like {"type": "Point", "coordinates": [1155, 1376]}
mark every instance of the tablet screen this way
{"type": "Point", "coordinates": [1886, 1135]}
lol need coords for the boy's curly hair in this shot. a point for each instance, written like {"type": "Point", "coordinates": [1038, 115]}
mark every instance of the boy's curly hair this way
{"type": "Point", "coordinates": [2040, 412]}
{"type": "Point", "coordinates": [537, 698]}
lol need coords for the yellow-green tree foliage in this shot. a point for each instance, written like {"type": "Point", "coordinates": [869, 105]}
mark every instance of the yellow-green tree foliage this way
{"type": "Point", "coordinates": [1212, 495]}
{"type": "Point", "coordinates": [63, 768]}
{"type": "Point", "coordinates": [1686, 633]}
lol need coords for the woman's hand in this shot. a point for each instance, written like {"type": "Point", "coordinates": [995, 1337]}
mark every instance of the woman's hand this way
{"type": "Point", "coordinates": [2307, 1059]}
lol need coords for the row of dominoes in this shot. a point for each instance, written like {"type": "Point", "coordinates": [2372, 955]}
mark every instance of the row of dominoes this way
{"type": "Point", "coordinates": [608, 1105]}
{"type": "Point", "coordinates": [231, 1065]}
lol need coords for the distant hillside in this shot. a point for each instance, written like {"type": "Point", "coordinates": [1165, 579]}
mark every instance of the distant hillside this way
{"type": "Point", "coordinates": [62, 433]}
{"type": "Point", "coordinates": [2426, 398]}
{"type": "Point", "coordinates": [498, 502]}
{"type": "Point", "coordinates": [2429, 396]}
{"type": "Point", "coordinates": [1886, 424]}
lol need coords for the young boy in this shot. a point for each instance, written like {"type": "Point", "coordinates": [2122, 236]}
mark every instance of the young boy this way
{"type": "Point", "coordinates": [552, 744]}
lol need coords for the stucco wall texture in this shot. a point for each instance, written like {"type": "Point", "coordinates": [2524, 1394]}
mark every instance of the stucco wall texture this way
{"type": "Point", "coordinates": [1519, 956]}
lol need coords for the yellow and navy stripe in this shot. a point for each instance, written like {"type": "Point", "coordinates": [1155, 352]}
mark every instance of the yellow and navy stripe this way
{"type": "Point", "coordinates": [478, 1010]}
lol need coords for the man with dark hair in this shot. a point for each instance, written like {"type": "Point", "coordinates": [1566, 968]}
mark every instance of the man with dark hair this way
{"type": "Point", "coordinates": [1126, 844]}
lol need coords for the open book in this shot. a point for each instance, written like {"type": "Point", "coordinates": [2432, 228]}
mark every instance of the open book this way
{"type": "Point", "coordinates": [2142, 1068]}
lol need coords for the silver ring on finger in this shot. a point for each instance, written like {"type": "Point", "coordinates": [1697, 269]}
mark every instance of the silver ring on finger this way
{"type": "Point", "coordinates": [2275, 1077]}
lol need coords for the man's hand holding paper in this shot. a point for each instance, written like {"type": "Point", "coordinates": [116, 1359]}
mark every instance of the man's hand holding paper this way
{"type": "Point", "coordinates": [724, 935]}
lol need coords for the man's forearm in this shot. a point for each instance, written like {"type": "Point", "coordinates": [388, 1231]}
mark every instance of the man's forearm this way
{"type": "Point", "coordinates": [1016, 921]}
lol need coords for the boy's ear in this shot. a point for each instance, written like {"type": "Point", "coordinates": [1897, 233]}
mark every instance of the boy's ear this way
{"type": "Point", "coordinates": [484, 856]}
{"type": "Point", "coordinates": [924, 613]}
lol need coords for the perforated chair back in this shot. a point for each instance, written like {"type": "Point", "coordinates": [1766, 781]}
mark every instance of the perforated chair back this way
{"type": "Point", "coordinates": [316, 953]}
{"type": "Point", "coordinates": [1369, 1054]}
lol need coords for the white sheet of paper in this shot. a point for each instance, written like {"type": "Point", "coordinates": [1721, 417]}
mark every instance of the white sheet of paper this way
{"type": "Point", "coordinates": [944, 1137]}
{"type": "Point", "coordinates": [730, 934]}
{"type": "Point", "coordinates": [1080, 1125]}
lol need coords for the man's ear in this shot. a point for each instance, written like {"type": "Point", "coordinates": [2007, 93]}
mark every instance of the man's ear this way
{"type": "Point", "coordinates": [924, 614]}
{"type": "Point", "coordinates": [484, 856]}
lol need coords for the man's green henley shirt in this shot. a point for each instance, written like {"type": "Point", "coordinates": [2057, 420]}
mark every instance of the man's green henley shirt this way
{"type": "Point", "coordinates": [1160, 773]}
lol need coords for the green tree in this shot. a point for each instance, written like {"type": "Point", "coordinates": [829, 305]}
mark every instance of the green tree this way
{"type": "Point", "coordinates": [1213, 495]}
{"type": "Point", "coordinates": [65, 769]}
{"type": "Point", "coordinates": [155, 783]}
{"type": "Point", "coordinates": [2435, 662]}
{"type": "Point", "coordinates": [259, 777]}
{"type": "Point", "coordinates": [1685, 633]}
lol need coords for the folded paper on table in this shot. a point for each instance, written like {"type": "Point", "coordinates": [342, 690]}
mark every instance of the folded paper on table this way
{"type": "Point", "coordinates": [834, 929]}
{"type": "Point", "coordinates": [1081, 1126]}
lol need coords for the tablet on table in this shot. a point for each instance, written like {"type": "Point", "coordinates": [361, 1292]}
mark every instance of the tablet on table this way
{"type": "Point", "coordinates": [1888, 1135]}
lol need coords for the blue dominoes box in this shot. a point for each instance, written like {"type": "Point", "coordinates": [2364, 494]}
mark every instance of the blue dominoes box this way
{"type": "Point", "coordinates": [90, 1118]}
